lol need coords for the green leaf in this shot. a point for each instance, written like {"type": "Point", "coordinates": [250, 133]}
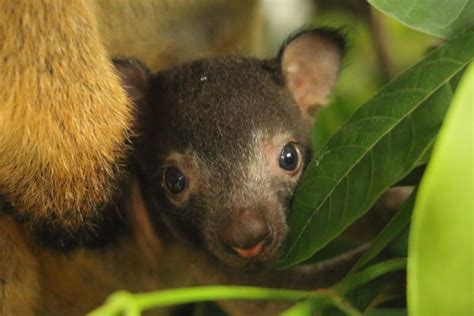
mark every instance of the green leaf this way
{"type": "Point", "coordinates": [441, 245]}
{"type": "Point", "coordinates": [396, 225]}
{"type": "Point", "coordinates": [442, 18]}
{"type": "Point", "coordinates": [317, 306]}
{"type": "Point", "coordinates": [369, 293]}
{"type": "Point", "coordinates": [378, 146]}
{"type": "Point", "coordinates": [372, 272]}
{"type": "Point", "coordinates": [129, 304]}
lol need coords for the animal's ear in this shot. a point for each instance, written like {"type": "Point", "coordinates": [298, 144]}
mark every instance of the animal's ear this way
{"type": "Point", "coordinates": [310, 62]}
{"type": "Point", "coordinates": [134, 76]}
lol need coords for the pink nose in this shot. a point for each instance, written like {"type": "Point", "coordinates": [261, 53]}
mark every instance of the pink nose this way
{"type": "Point", "coordinates": [251, 252]}
{"type": "Point", "coordinates": [245, 233]}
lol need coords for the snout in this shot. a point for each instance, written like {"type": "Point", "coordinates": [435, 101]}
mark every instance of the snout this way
{"type": "Point", "coordinates": [246, 233]}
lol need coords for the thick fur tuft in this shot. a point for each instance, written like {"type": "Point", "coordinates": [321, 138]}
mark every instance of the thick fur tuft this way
{"type": "Point", "coordinates": [64, 117]}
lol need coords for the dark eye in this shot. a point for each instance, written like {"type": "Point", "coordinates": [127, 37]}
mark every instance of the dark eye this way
{"type": "Point", "coordinates": [289, 157]}
{"type": "Point", "coordinates": [175, 181]}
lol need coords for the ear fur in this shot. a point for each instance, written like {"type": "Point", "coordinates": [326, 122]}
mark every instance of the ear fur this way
{"type": "Point", "coordinates": [134, 76]}
{"type": "Point", "coordinates": [310, 61]}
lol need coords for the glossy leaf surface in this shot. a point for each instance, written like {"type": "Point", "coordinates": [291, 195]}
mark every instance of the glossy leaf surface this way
{"type": "Point", "coordinates": [378, 146]}
{"type": "Point", "coordinates": [442, 18]}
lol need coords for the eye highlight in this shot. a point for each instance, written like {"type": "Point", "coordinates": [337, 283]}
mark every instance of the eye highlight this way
{"type": "Point", "coordinates": [174, 180]}
{"type": "Point", "coordinates": [289, 157]}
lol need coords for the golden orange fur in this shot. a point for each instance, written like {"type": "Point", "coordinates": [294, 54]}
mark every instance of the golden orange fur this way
{"type": "Point", "coordinates": [64, 117]}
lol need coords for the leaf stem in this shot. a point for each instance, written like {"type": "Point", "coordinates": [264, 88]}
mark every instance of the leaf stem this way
{"type": "Point", "coordinates": [127, 301]}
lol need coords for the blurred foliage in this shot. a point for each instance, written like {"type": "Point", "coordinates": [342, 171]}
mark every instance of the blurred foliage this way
{"type": "Point", "coordinates": [441, 249]}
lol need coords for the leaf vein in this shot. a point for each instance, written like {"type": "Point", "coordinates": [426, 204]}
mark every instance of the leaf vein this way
{"type": "Point", "coordinates": [412, 138]}
{"type": "Point", "coordinates": [369, 187]}
{"type": "Point", "coordinates": [388, 131]}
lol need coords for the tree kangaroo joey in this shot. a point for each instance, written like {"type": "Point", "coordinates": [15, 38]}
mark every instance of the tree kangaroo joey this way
{"type": "Point", "coordinates": [223, 143]}
{"type": "Point", "coordinates": [220, 146]}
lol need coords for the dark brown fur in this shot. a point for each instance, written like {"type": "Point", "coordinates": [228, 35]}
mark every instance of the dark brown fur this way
{"type": "Point", "coordinates": [218, 120]}
{"type": "Point", "coordinates": [74, 284]}
{"type": "Point", "coordinates": [187, 117]}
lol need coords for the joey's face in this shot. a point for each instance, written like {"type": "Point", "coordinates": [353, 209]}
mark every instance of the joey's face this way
{"type": "Point", "coordinates": [225, 148]}
{"type": "Point", "coordinates": [223, 143]}
{"type": "Point", "coordinates": [236, 202]}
